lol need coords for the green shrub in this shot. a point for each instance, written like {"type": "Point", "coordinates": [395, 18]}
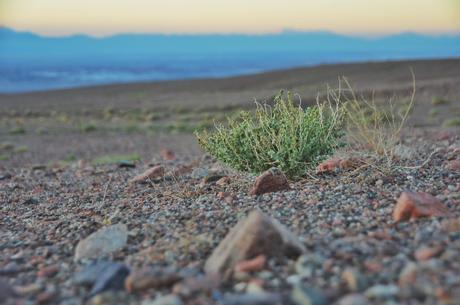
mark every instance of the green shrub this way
{"type": "Point", "coordinates": [89, 127]}
{"type": "Point", "coordinates": [436, 101]}
{"type": "Point", "coordinates": [113, 159]}
{"type": "Point", "coordinates": [284, 136]}
{"type": "Point", "coordinates": [454, 122]}
{"type": "Point", "coordinates": [17, 130]}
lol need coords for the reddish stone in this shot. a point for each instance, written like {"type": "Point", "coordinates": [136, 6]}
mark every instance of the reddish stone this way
{"type": "Point", "coordinates": [181, 170]}
{"type": "Point", "coordinates": [258, 234]}
{"type": "Point", "coordinates": [272, 180]}
{"type": "Point", "coordinates": [45, 297]}
{"type": "Point", "coordinates": [167, 155]}
{"type": "Point", "coordinates": [333, 163]}
{"type": "Point", "coordinates": [150, 278]}
{"type": "Point", "coordinates": [48, 271]}
{"type": "Point", "coordinates": [412, 205]}
{"type": "Point", "coordinates": [252, 265]}
{"type": "Point", "coordinates": [425, 253]}
{"type": "Point", "coordinates": [223, 181]}
{"type": "Point", "coordinates": [453, 165]}
{"type": "Point", "coordinates": [152, 173]}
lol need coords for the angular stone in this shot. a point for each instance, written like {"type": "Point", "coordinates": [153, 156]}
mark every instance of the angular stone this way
{"type": "Point", "coordinates": [111, 278]}
{"type": "Point", "coordinates": [255, 235]}
{"type": "Point", "coordinates": [411, 205]}
{"type": "Point", "coordinates": [425, 253]}
{"type": "Point", "coordinates": [167, 154]}
{"type": "Point", "coordinates": [251, 265]}
{"type": "Point", "coordinates": [102, 242]}
{"type": "Point", "coordinates": [152, 173]}
{"type": "Point", "coordinates": [272, 180]}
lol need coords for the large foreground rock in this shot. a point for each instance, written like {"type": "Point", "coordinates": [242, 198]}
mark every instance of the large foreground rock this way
{"type": "Point", "coordinates": [255, 235]}
{"type": "Point", "coordinates": [103, 242]}
{"type": "Point", "coordinates": [272, 180]}
{"type": "Point", "coordinates": [411, 205]}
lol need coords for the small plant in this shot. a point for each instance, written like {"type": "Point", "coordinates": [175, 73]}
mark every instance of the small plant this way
{"type": "Point", "coordinates": [373, 126]}
{"type": "Point", "coordinates": [113, 159]}
{"type": "Point", "coordinates": [17, 130]}
{"type": "Point", "coordinates": [437, 101]}
{"type": "Point", "coordinates": [284, 135]}
{"type": "Point", "coordinates": [454, 122]}
{"type": "Point", "coordinates": [89, 127]}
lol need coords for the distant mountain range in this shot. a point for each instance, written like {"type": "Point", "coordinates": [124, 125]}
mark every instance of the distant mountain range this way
{"type": "Point", "coordinates": [28, 46]}
{"type": "Point", "coordinates": [32, 62]}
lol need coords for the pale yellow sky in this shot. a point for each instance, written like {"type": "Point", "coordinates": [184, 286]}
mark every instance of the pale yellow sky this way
{"type": "Point", "coordinates": [106, 17]}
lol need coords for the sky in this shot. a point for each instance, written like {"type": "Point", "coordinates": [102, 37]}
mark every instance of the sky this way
{"type": "Point", "coordinates": [108, 17]}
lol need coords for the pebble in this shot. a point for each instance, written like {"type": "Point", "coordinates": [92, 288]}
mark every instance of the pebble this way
{"type": "Point", "coordinates": [151, 278]}
{"type": "Point", "coordinates": [272, 180]}
{"type": "Point", "coordinates": [102, 242]}
{"type": "Point", "coordinates": [6, 291]}
{"type": "Point", "coordinates": [354, 279]}
{"type": "Point", "coordinates": [152, 173]}
{"type": "Point", "coordinates": [111, 278]}
{"type": "Point", "coordinates": [411, 205]}
{"type": "Point", "coordinates": [382, 291]}
{"type": "Point", "coordinates": [170, 299]}
{"type": "Point", "coordinates": [263, 298]}
{"type": "Point", "coordinates": [353, 299]}
{"type": "Point", "coordinates": [302, 295]}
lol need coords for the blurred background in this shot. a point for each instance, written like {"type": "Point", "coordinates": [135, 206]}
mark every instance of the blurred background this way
{"type": "Point", "coordinates": [128, 77]}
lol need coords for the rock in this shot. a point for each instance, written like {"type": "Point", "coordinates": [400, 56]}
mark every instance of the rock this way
{"type": "Point", "coordinates": [332, 164]}
{"type": "Point", "coordinates": [5, 176]}
{"type": "Point", "coordinates": [152, 173]}
{"type": "Point", "coordinates": [45, 297]}
{"type": "Point", "coordinates": [167, 155]}
{"type": "Point", "coordinates": [151, 278]}
{"type": "Point", "coordinates": [262, 298]}
{"type": "Point", "coordinates": [223, 181]}
{"type": "Point", "coordinates": [272, 180]}
{"type": "Point", "coordinates": [453, 165]}
{"type": "Point", "coordinates": [199, 173]}
{"type": "Point", "coordinates": [126, 164]}
{"type": "Point", "coordinates": [302, 295]}
{"type": "Point", "coordinates": [353, 299]}
{"type": "Point", "coordinates": [109, 298]}
{"type": "Point", "coordinates": [425, 253]}
{"type": "Point", "coordinates": [111, 278]}
{"type": "Point", "coordinates": [354, 279]}
{"type": "Point", "coordinates": [255, 235]}
{"type": "Point", "coordinates": [102, 242]}
{"type": "Point", "coordinates": [382, 291]}
{"type": "Point", "coordinates": [212, 178]}
{"type": "Point", "coordinates": [408, 275]}
{"type": "Point", "coordinates": [193, 285]}
{"type": "Point", "coordinates": [411, 205]}
{"type": "Point", "coordinates": [6, 291]}
{"type": "Point", "coordinates": [404, 152]}
{"type": "Point", "coordinates": [182, 169]}
{"type": "Point", "coordinates": [30, 201]}
{"type": "Point", "coordinates": [90, 273]}
{"type": "Point", "coordinates": [29, 289]}
{"type": "Point", "coordinates": [48, 271]}
{"type": "Point", "coordinates": [251, 265]}
{"type": "Point", "coordinates": [451, 225]}
{"type": "Point", "coordinates": [170, 299]}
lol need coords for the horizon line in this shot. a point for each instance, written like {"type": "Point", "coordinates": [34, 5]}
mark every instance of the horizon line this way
{"type": "Point", "coordinates": [369, 35]}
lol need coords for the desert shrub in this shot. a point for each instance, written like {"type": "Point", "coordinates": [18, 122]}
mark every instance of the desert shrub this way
{"type": "Point", "coordinates": [113, 159]}
{"type": "Point", "coordinates": [374, 126]}
{"type": "Point", "coordinates": [453, 122]}
{"type": "Point", "coordinates": [436, 101]}
{"type": "Point", "coordinates": [88, 127]}
{"type": "Point", "coordinates": [283, 135]}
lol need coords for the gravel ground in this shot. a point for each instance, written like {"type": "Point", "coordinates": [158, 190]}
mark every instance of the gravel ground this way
{"type": "Point", "coordinates": [356, 254]}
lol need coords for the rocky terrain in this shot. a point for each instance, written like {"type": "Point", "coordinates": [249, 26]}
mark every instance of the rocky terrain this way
{"type": "Point", "coordinates": [161, 233]}
{"type": "Point", "coordinates": [106, 198]}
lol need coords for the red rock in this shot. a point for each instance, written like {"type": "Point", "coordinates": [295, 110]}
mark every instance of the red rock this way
{"type": "Point", "coordinates": [181, 170]}
{"type": "Point", "coordinates": [223, 181]}
{"type": "Point", "coordinates": [412, 205]}
{"type": "Point", "coordinates": [445, 135]}
{"type": "Point", "coordinates": [152, 173]}
{"type": "Point", "coordinates": [252, 265]}
{"type": "Point", "coordinates": [333, 163]}
{"type": "Point", "coordinates": [328, 165]}
{"type": "Point", "coordinates": [272, 180]}
{"type": "Point", "coordinates": [150, 278]}
{"type": "Point", "coordinates": [453, 165]}
{"type": "Point", "coordinates": [45, 297]}
{"type": "Point", "coordinates": [257, 234]}
{"type": "Point", "coordinates": [167, 155]}
{"type": "Point", "coordinates": [425, 253]}
{"type": "Point", "coordinates": [48, 271]}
